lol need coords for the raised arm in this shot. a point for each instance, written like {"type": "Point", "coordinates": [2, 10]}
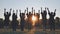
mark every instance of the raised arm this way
{"type": "Point", "coordinates": [41, 10]}
{"type": "Point", "coordinates": [54, 12]}
{"type": "Point", "coordinates": [4, 11]}
{"type": "Point", "coordinates": [48, 10]}
{"type": "Point", "coordinates": [32, 10]}
{"type": "Point", "coordinates": [27, 11]}
{"type": "Point", "coordinates": [20, 12]}
{"type": "Point", "coordinates": [45, 8]}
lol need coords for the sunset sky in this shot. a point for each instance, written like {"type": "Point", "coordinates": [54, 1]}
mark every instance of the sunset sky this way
{"type": "Point", "coordinates": [22, 4]}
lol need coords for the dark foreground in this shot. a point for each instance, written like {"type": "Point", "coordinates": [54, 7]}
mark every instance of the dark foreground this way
{"type": "Point", "coordinates": [33, 31]}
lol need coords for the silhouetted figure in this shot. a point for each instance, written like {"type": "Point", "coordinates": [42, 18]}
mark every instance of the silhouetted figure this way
{"type": "Point", "coordinates": [1, 23]}
{"type": "Point", "coordinates": [51, 19]}
{"type": "Point", "coordinates": [22, 23]}
{"type": "Point", "coordinates": [6, 20]}
{"type": "Point", "coordinates": [37, 24]}
{"type": "Point", "coordinates": [44, 19]}
{"type": "Point", "coordinates": [29, 21]}
{"type": "Point", "coordinates": [14, 21]}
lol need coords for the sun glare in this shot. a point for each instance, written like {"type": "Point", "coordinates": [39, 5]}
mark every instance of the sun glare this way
{"type": "Point", "coordinates": [25, 17]}
{"type": "Point", "coordinates": [34, 20]}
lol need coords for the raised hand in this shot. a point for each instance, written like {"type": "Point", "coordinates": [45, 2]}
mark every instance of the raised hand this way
{"type": "Point", "coordinates": [32, 10]}
{"type": "Point", "coordinates": [4, 10]}
{"type": "Point", "coordinates": [27, 10]}
{"type": "Point", "coordinates": [45, 8]}
{"type": "Point", "coordinates": [41, 9]}
{"type": "Point", "coordinates": [55, 11]}
{"type": "Point", "coordinates": [20, 11]}
{"type": "Point", "coordinates": [48, 10]}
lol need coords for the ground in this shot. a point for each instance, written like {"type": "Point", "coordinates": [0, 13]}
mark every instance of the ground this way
{"type": "Point", "coordinates": [33, 31]}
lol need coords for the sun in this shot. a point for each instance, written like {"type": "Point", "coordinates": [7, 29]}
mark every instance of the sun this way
{"type": "Point", "coordinates": [34, 18]}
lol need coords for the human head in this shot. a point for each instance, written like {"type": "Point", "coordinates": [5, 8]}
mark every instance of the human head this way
{"type": "Point", "coordinates": [52, 13]}
{"type": "Point", "coordinates": [29, 13]}
{"type": "Point", "coordinates": [7, 12]}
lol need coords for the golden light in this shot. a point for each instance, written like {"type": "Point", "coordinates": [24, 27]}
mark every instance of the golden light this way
{"type": "Point", "coordinates": [34, 18]}
{"type": "Point", "coordinates": [25, 17]}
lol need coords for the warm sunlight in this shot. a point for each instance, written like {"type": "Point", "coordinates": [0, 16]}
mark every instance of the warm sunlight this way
{"type": "Point", "coordinates": [25, 17]}
{"type": "Point", "coordinates": [34, 18]}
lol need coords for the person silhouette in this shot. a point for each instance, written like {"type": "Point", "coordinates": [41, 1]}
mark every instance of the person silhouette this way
{"type": "Point", "coordinates": [44, 18]}
{"type": "Point", "coordinates": [51, 19]}
{"type": "Point", "coordinates": [6, 20]}
{"type": "Point", "coordinates": [37, 24]}
{"type": "Point", "coordinates": [1, 23]}
{"type": "Point", "coordinates": [29, 21]}
{"type": "Point", "coordinates": [22, 23]}
{"type": "Point", "coordinates": [14, 21]}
